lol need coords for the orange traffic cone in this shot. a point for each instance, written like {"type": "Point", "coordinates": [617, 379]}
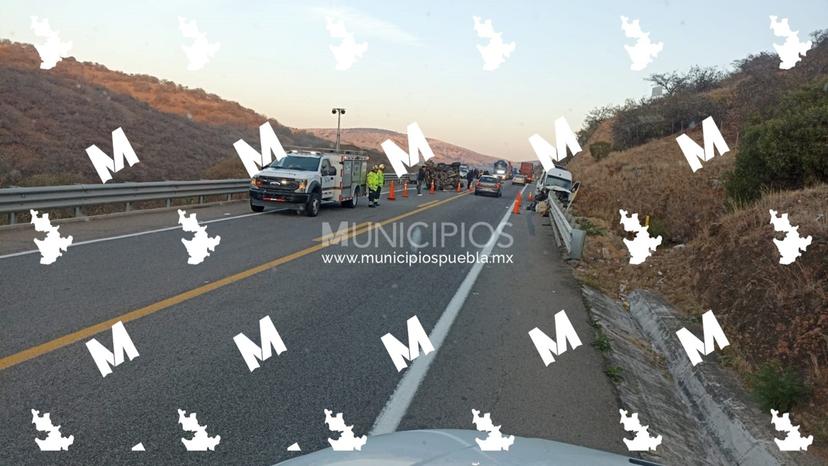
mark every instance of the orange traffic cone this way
{"type": "Point", "coordinates": [405, 188]}
{"type": "Point", "coordinates": [431, 189]}
{"type": "Point", "coordinates": [392, 196]}
{"type": "Point", "coordinates": [470, 186]}
{"type": "Point", "coordinates": [458, 187]}
{"type": "Point", "coordinates": [516, 210]}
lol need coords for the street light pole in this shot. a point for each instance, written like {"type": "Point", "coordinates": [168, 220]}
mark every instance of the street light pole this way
{"type": "Point", "coordinates": [339, 112]}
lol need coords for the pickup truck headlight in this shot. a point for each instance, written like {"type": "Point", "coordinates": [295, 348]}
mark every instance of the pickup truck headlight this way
{"type": "Point", "coordinates": [255, 182]}
{"type": "Point", "coordinates": [302, 185]}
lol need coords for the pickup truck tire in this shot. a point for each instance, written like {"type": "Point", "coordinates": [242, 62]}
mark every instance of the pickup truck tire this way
{"type": "Point", "coordinates": [352, 202]}
{"type": "Point", "coordinates": [312, 206]}
{"type": "Point", "coordinates": [256, 208]}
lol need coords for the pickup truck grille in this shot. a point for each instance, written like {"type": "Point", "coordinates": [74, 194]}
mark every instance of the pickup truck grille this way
{"type": "Point", "coordinates": [279, 184]}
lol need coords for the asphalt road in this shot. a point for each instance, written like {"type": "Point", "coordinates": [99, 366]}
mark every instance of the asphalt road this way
{"type": "Point", "coordinates": [182, 319]}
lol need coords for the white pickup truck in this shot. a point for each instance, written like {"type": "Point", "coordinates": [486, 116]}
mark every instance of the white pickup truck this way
{"type": "Point", "coordinates": [306, 179]}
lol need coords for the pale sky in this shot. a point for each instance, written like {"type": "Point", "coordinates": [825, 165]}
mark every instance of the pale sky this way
{"type": "Point", "coordinates": [421, 63]}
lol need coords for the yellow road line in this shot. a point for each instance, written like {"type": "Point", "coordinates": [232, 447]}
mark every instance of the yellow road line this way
{"type": "Point", "coordinates": [337, 233]}
{"type": "Point", "coordinates": [92, 330]}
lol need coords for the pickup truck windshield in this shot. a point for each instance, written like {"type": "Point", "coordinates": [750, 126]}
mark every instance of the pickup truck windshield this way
{"type": "Point", "coordinates": [292, 162]}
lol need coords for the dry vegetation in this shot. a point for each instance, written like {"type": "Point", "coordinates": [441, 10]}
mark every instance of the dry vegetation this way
{"type": "Point", "coordinates": [718, 253]}
{"type": "Point", "coordinates": [48, 119]}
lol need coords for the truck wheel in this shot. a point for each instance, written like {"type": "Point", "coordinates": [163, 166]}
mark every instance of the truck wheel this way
{"type": "Point", "coordinates": [256, 208]}
{"type": "Point", "coordinates": [353, 201]}
{"type": "Point", "coordinates": [312, 207]}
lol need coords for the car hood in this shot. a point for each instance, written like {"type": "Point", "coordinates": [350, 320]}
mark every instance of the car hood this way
{"type": "Point", "coordinates": [458, 447]}
{"type": "Point", "coordinates": [279, 173]}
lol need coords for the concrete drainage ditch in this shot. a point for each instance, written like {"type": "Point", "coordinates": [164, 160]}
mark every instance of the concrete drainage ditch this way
{"type": "Point", "coordinates": [699, 410]}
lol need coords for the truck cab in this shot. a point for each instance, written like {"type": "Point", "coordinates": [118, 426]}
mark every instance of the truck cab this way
{"type": "Point", "coordinates": [307, 179]}
{"type": "Point", "coordinates": [557, 181]}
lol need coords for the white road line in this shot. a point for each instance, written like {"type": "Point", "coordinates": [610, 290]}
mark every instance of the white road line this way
{"type": "Point", "coordinates": [142, 233]}
{"type": "Point", "coordinates": [397, 405]}
{"type": "Point", "coordinates": [149, 232]}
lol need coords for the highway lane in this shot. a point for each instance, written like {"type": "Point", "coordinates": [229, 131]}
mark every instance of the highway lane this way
{"type": "Point", "coordinates": [331, 318]}
{"type": "Point", "coordinates": [129, 273]}
{"type": "Point", "coordinates": [494, 367]}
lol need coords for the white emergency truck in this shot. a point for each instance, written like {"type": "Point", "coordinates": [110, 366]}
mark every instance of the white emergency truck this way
{"type": "Point", "coordinates": [305, 179]}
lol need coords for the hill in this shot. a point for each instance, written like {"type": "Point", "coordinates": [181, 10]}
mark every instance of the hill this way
{"type": "Point", "coordinates": [372, 137]}
{"type": "Point", "coordinates": [717, 251]}
{"type": "Point", "coordinates": [178, 133]}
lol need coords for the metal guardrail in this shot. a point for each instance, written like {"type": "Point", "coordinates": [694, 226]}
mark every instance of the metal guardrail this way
{"type": "Point", "coordinates": [13, 200]}
{"type": "Point", "coordinates": [573, 238]}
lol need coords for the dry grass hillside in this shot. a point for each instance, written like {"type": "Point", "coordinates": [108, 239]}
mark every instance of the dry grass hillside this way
{"type": "Point", "coordinates": [653, 179]}
{"type": "Point", "coordinates": [177, 132]}
{"type": "Point", "coordinates": [162, 95]}
{"type": "Point", "coordinates": [372, 137]}
{"type": "Point", "coordinates": [717, 252]}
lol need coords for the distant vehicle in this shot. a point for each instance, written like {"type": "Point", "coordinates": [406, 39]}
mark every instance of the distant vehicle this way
{"type": "Point", "coordinates": [502, 169]}
{"type": "Point", "coordinates": [464, 170]}
{"type": "Point", "coordinates": [519, 179]}
{"type": "Point", "coordinates": [488, 184]}
{"type": "Point", "coordinates": [558, 181]}
{"type": "Point", "coordinates": [527, 169]}
{"type": "Point", "coordinates": [307, 179]}
{"type": "Point", "coordinates": [455, 446]}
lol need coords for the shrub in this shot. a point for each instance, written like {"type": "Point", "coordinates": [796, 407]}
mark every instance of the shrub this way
{"type": "Point", "coordinates": [659, 228]}
{"type": "Point", "coordinates": [594, 118]}
{"type": "Point", "coordinates": [697, 79]}
{"type": "Point", "coordinates": [786, 151]}
{"type": "Point", "coordinates": [614, 374]}
{"type": "Point", "coordinates": [600, 150]}
{"type": "Point", "coordinates": [601, 343]}
{"type": "Point", "coordinates": [590, 228]}
{"type": "Point", "coordinates": [778, 388]}
{"type": "Point", "coordinates": [639, 123]}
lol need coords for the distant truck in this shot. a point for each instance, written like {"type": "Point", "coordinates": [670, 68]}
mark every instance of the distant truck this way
{"type": "Point", "coordinates": [527, 169]}
{"type": "Point", "coordinates": [502, 170]}
{"type": "Point", "coordinates": [306, 179]}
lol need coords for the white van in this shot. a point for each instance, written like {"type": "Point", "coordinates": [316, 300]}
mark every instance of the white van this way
{"type": "Point", "coordinates": [558, 181]}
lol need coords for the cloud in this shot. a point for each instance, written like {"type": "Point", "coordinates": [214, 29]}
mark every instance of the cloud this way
{"type": "Point", "coordinates": [368, 26]}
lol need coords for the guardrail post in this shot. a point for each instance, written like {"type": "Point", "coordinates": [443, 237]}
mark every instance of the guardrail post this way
{"type": "Point", "coordinates": [229, 197]}
{"type": "Point", "coordinates": [12, 218]}
{"type": "Point", "coordinates": [78, 212]}
{"type": "Point", "coordinates": [201, 199]}
{"type": "Point", "coordinates": [577, 246]}
{"type": "Point", "coordinates": [128, 206]}
{"type": "Point", "coordinates": [167, 202]}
